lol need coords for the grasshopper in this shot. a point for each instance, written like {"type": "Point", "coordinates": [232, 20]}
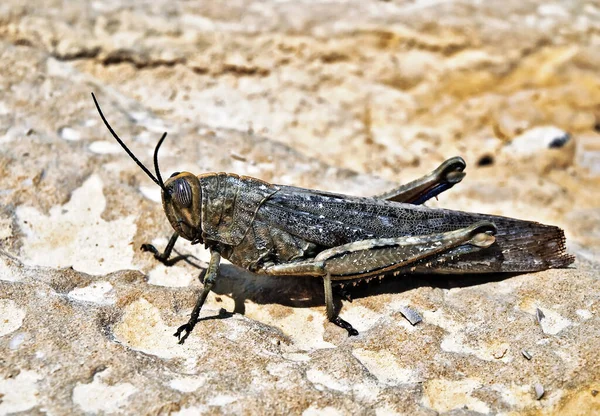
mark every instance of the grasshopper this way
{"type": "Point", "coordinates": [281, 230]}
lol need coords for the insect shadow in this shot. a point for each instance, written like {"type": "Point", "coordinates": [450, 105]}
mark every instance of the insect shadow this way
{"type": "Point", "coordinates": [305, 292]}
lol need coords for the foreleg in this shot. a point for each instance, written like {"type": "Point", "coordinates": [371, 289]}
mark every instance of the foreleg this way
{"type": "Point", "coordinates": [164, 256]}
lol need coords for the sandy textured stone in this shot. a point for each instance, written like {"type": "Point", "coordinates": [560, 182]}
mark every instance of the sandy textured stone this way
{"type": "Point", "coordinates": [349, 96]}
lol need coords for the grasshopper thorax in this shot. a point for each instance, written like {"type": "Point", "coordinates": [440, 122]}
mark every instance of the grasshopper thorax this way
{"type": "Point", "coordinates": [182, 199]}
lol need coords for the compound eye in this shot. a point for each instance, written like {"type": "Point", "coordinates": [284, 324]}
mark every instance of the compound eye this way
{"type": "Point", "coordinates": [182, 193]}
{"type": "Point", "coordinates": [174, 174]}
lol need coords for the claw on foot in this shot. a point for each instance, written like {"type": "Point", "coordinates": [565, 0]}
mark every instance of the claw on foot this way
{"type": "Point", "coordinates": [343, 293]}
{"type": "Point", "coordinates": [150, 248]}
{"type": "Point", "coordinates": [158, 255]}
{"type": "Point", "coordinates": [346, 325]}
{"type": "Point", "coordinates": [188, 330]}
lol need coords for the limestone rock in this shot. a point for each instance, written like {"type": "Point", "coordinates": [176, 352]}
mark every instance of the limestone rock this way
{"type": "Point", "coordinates": [347, 96]}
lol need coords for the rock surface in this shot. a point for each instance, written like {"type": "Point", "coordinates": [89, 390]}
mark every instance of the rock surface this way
{"type": "Point", "coordinates": [348, 96]}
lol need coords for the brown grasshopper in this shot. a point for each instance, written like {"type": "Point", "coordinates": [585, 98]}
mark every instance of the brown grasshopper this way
{"type": "Point", "coordinates": [282, 230]}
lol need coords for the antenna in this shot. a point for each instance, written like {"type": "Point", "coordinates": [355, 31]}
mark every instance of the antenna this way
{"type": "Point", "coordinates": [156, 169]}
{"type": "Point", "coordinates": [158, 181]}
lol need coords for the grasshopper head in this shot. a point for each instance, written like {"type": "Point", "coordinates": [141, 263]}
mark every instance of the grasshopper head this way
{"type": "Point", "coordinates": [181, 198]}
{"type": "Point", "coordinates": [181, 193]}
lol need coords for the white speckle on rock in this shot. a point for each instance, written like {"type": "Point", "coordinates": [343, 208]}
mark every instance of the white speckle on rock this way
{"type": "Point", "coordinates": [583, 314]}
{"type": "Point", "coordinates": [98, 292]}
{"type": "Point", "coordinates": [173, 276]}
{"type": "Point", "coordinates": [367, 391]}
{"type": "Point", "coordinates": [191, 411]}
{"type": "Point", "coordinates": [98, 397]}
{"type": "Point", "coordinates": [68, 133]}
{"type": "Point", "coordinates": [201, 253]}
{"type": "Point", "coordinates": [8, 273]}
{"type": "Point", "coordinates": [552, 323]}
{"type": "Point", "coordinates": [159, 242]}
{"type": "Point", "coordinates": [142, 328]}
{"type": "Point", "coordinates": [282, 371]}
{"type": "Point", "coordinates": [323, 381]}
{"type": "Point", "coordinates": [385, 367]}
{"type": "Point", "coordinates": [516, 396]}
{"type": "Point", "coordinates": [5, 228]}
{"type": "Point", "coordinates": [11, 316]}
{"type": "Point", "coordinates": [76, 235]}
{"type": "Point", "coordinates": [103, 147]}
{"type": "Point", "coordinates": [13, 133]}
{"type": "Point", "coordinates": [17, 340]}
{"type": "Point", "coordinates": [445, 395]}
{"type": "Point", "coordinates": [322, 411]}
{"type": "Point", "coordinates": [296, 356]}
{"type": "Point", "coordinates": [386, 411]}
{"type": "Point", "coordinates": [304, 326]}
{"type": "Point", "coordinates": [188, 384]}
{"type": "Point", "coordinates": [19, 393]}
{"type": "Point", "coordinates": [457, 339]}
{"type": "Point", "coordinates": [221, 400]}
{"type": "Point", "coordinates": [537, 139]}
{"type": "Point", "coordinates": [153, 193]}
{"type": "Point", "coordinates": [552, 10]}
{"type": "Point", "coordinates": [362, 318]}
{"type": "Point", "coordinates": [139, 115]}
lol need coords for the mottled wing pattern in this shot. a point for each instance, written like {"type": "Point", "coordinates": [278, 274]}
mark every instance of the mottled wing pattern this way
{"type": "Point", "coordinates": [329, 220]}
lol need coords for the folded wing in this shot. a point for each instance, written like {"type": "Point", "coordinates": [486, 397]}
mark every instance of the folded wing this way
{"type": "Point", "coordinates": [330, 220]}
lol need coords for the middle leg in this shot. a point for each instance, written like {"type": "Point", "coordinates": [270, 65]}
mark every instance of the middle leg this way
{"type": "Point", "coordinates": [209, 281]}
{"type": "Point", "coordinates": [330, 308]}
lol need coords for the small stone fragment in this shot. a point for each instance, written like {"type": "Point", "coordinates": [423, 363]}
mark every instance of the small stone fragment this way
{"type": "Point", "coordinates": [485, 160]}
{"type": "Point", "coordinates": [411, 315]}
{"type": "Point", "coordinates": [537, 139]}
{"type": "Point", "coordinates": [526, 354]}
{"type": "Point", "coordinates": [238, 157]}
{"type": "Point", "coordinates": [500, 353]}
{"type": "Point", "coordinates": [559, 141]}
{"type": "Point", "coordinates": [68, 133]}
{"type": "Point", "coordinates": [539, 315]}
{"type": "Point", "coordinates": [539, 391]}
{"type": "Point", "coordinates": [104, 147]}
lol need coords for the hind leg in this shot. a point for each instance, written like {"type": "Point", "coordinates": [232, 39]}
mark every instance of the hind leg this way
{"type": "Point", "coordinates": [366, 258]}
{"type": "Point", "coordinates": [420, 190]}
